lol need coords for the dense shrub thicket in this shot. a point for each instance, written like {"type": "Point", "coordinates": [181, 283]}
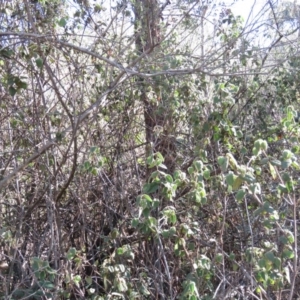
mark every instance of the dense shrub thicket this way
{"type": "Point", "coordinates": [148, 150]}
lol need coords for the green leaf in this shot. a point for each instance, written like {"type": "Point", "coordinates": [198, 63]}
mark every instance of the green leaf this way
{"type": "Point", "coordinates": [168, 233]}
{"type": "Point", "coordinates": [46, 284]}
{"type": "Point", "coordinates": [257, 143]}
{"type": "Point", "coordinates": [51, 271]}
{"type": "Point", "coordinates": [156, 203]}
{"type": "Point", "coordinates": [41, 275]}
{"type": "Point", "coordinates": [39, 62]}
{"type": "Point", "coordinates": [144, 290]}
{"type": "Point", "coordinates": [71, 253]}
{"type": "Point", "coordinates": [264, 161]}
{"type": "Point", "coordinates": [89, 280]}
{"type": "Point", "coordinates": [289, 235]}
{"type": "Point", "coordinates": [232, 161]}
{"type": "Point", "coordinates": [282, 188]}
{"type": "Point", "coordinates": [286, 163]}
{"type": "Point", "coordinates": [256, 151]}
{"type": "Point", "coordinates": [146, 212]}
{"type": "Point", "coordinates": [120, 251]}
{"type": "Point", "coordinates": [6, 53]}
{"type": "Point", "coordinates": [59, 136]}
{"type": "Point", "coordinates": [223, 163]}
{"type": "Point", "coordinates": [155, 176]}
{"type": "Point", "coordinates": [121, 285]}
{"type": "Point", "coordinates": [179, 176]}
{"type": "Point", "coordinates": [264, 145]}
{"type": "Point", "coordinates": [295, 165]}
{"type": "Point", "coordinates": [150, 225]}
{"type": "Point", "coordinates": [230, 178]}
{"type": "Point", "coordinates": [203, 200]}
{"type": "Point", "coordinates": [255, 188]}
{"type": "Point", "coordinates": [191, 170]}
{"type": "Point", "coordinates": [94, 171]}
{"type": "Point", "coordinates": [77, 279]}
{"type": "Point", "coordinates": [62, 22]}
{"type": "Point", "coordinates": [12, 91]}
{"type": "Point", "coordinates": [244, 150]}
{"type": "Point", "coordinates": [206, 174]}
{"type": "Point", "coordinates": [155, 160]}
{"type": "Point", "coordinates": [14, 123]}
{"type": "Point", "coordinates": [269, 255]}
{"type": "Point", "coordinates": [162, 166]}
{"type": "Point", "coordinates": [257, 170]}
{"type": "Point", "coordinates": [21, 84]}
{"type": "Point", "coordinates": [114, 233]}
{"type": "Point", "coordinates": [219, 258]}
{"type": "Point", "coordinates": [289, 254]}
{"type": "Point", "coordinates": [98, 8]}
{"type": "Point", "coordinates": [159, 158]}
{"type": "Point", "coordinates": [169, 178]}
{"type": "Point", "coordinates": [171, 215]}
{"type": "Point", "coordinates": [35, 264]}
{"type": "Point", "coordinates": [272, 171]}
{"type": "Point", "coordinates": [150, 188]}
{"type": "Point", "coordinates": [198, 165]}
{"type": "Point", "coordinates": [144, 200]}
{"type": "Point", "coordinates": [87, 165]}
{"type": "Point", "coordinates": [287, 154]}
{"type": "Point", "coordinates": [262, 262]}
{"type": "Point", "coordinates": [276, 162]}
{"type": "Point", "coordinates": [240, 194]}
{"type": "Point", "coordinates": [135, 222]}
{"type": "Point", "coordinates": [237, 183]}
{"type": "Point", "coordinates": [248, 178]}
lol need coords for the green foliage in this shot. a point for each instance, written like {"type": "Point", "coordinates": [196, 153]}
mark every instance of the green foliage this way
{"type": "Point", "coordinates": [136, 163]}
{"type": "Point", "coordinates": [44, 285]}
{"type": "Point", "coordinates": [14, 84]}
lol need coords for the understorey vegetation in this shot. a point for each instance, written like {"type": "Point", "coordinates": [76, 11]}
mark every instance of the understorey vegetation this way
{"type": "Point", "coordinates": [149, 149]}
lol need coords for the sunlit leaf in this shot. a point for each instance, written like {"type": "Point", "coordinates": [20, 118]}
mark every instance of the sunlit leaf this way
{"type": "Point", "coordinates": [272, 171]}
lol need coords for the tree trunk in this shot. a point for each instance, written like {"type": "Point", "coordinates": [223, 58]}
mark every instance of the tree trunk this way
{"type": "Point", "coordinates": [156, 118]}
